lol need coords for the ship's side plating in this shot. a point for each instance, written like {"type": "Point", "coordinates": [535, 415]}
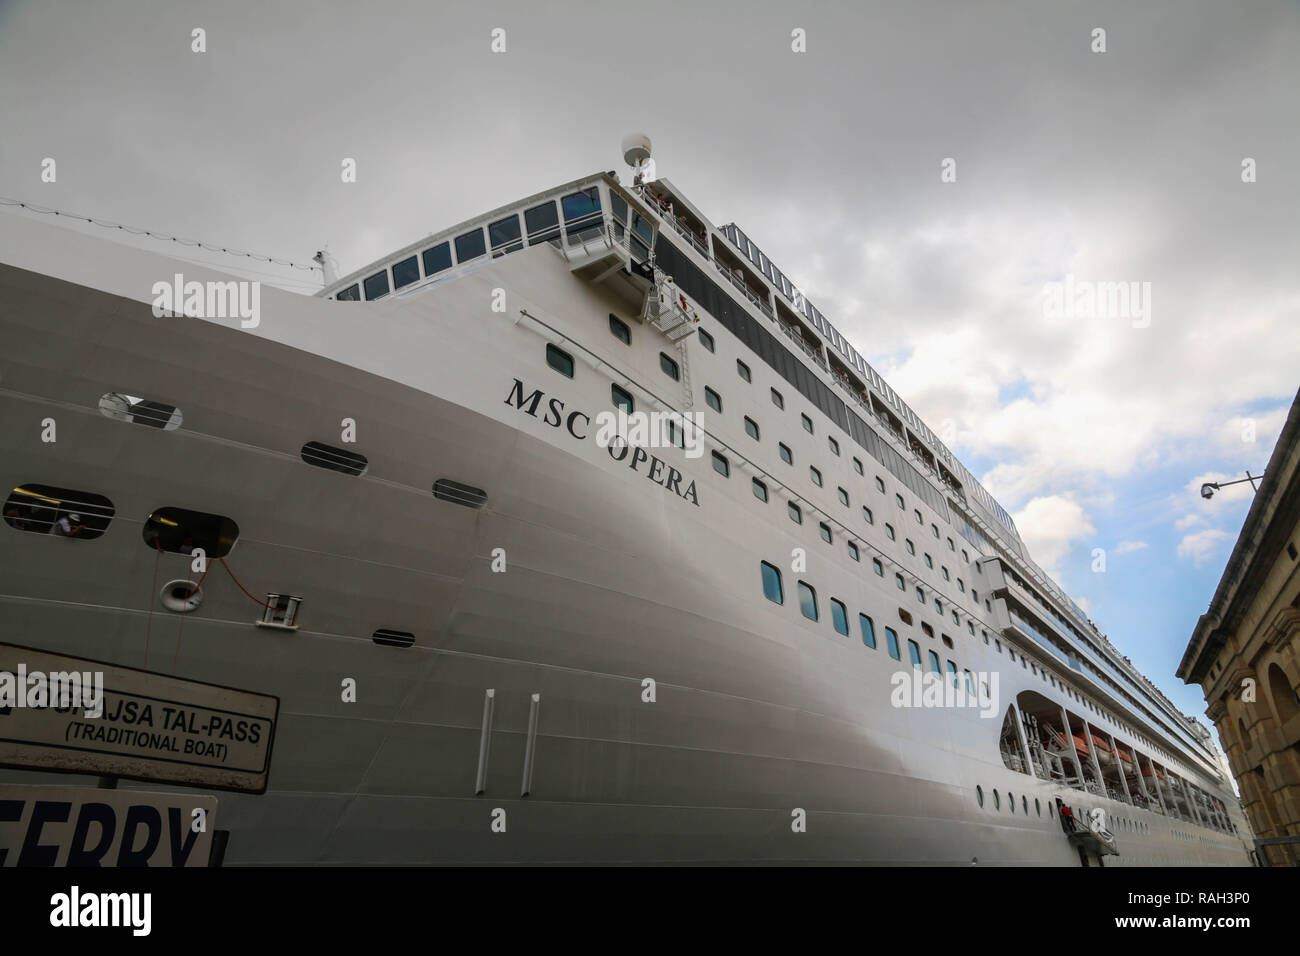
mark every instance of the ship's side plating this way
{"type": "Point", "coordinates": [610, 579]}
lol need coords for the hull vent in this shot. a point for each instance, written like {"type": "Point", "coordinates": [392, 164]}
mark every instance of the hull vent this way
{"type": "Point", "coordinates": [391, 638]}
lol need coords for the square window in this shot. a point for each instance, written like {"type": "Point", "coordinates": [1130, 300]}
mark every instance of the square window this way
{"type": "Point", "coordinates": [880, 484]}
{"type": "Point", "coordinates": [795, 514]}
{"type": "Point", "coordinates": [618, 328]}
{"type": "Point", "coordinates": [721, 465]}
{"type": "Point", "coordinates": [760, 490]}
{"type": "Point", "coordinates": [751, 428]}
{"type": "Point", "coordinates": [898, 580]}
{"type": "Point", "coordinates": [406, 272]}
{"type": "Point", "coordinates": [889, 530]}
{"type": "Point", "coordinates": [911, 548]}
{"type": "Point", "coordinates": [854, 553]}
{"type": "Point", "coordinates": [622, 399]}
{"type": "Point", "coordinates": [705, 339]}
{"type": "Point", "coordinates": [559, 360]}
{"type": "Point", "coordinates": [929, 562]}
{"type": "Point", "coordinates": [669, 367]}
{"type": "Point", "coordinates": [772, 583]}
{"type": "Point", "coordinates": [899, 499]}
{"type": "Point", "coordinates": [825, 531]}
{"type": "Point", "coordinates": [377, 285]}
{"type": "Point", "coordinates": [713, 399]}
{"type": "Point", "coordinates": [471, 245]}
{"type": "Point", "coordinates": [437, 259]}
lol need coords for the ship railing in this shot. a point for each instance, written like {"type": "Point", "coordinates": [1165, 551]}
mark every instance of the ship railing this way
{"type": "Point", "coordinates": [802, 343]}
{"type": "Point", "coordinates": [664, 210]}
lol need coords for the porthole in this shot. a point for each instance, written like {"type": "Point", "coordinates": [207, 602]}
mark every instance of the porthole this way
{"type": "Point", "coordinates": [62, 512]}
{"type": "Point", "coordinates": [140, 411]}
{"type": "Point", "coordinates": [1024, 804]}
{"type": "Point", "coordinates": [390, 638]}
{"type": "Point", "coordinates": [997, 801]}
{"type": "Point", "coordinates": [445, 489]}
{"type": "Point", "coordinates": [334, 459]}
{"type": "Point", "coordinates": [1011, 801]}
{"type": "Point", "coordinates": [180, 531]}
{"type": "Point", "coordinates": [181, 596]}
{"type": "Point", "coordinates": [1038, 807]}
{"type": "Point", "coordinates": [979, 794]}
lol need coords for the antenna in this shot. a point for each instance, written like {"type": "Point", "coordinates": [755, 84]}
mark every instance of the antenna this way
{"type": "Point", "coordinates": [636, 153]}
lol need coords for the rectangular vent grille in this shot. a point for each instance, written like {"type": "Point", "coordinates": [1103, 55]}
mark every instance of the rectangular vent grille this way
{"type": "Point", "coordinates": [458, 494]}
{"type": "Point", "coordinates": [391, 638]}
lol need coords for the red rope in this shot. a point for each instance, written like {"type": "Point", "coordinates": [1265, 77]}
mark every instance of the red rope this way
{"type": "Point", "coordinates": [180, 631]}
{"type": "Point", "coordinates": [240, 586]}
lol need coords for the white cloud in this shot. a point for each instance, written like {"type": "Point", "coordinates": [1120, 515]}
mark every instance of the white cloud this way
{"type": "Point", "coordinates": [1199, 546]}
{"type": "Point", "coordinates": [1188, 521]}
{"type": "Point", "coordinates": [1124, 547]}
{"type": "Point", "coordinates": [1049, 526]}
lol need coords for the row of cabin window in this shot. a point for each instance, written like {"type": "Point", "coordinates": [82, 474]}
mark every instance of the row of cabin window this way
{"type": "Point", "coordinates": [581, 211]}
{"type": "Point", "coordinates": [774, 591]}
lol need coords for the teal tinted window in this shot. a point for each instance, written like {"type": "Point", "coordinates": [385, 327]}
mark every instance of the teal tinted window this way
{"type": "Point", "coordinates": [622, 399]}
{"type": "Point", "coordinates": [713, 399]}
{"type": "Point", "coordinates": [751, 428]}
{"type": "Point", "coordinates": [891, 641]}
{"type": "Point", "coordinates": [705, 339]}
{"type": "Point", "coordinates": [807, 601]}
{"type": "Point", "coordinates": [877, 567]}
{"type": "Point", "coordinates": [559, 360]}
{"type": "Point", "coordinates": [437, 259]}
{"type": "Point", "coordinates": [825, 532]}
{"type": "Point", "coordinates": [795, 515]}
{"type": "Point", "coordinates": [406, 272]}
{"type": "Point", "coordinates": [934, 663]}
{"type": "Point", "coordinates": [915, 653]}
{"type": "Point", "coordinates": [669, 367]}
{"type": "Point", "coordinates": [543, 223]}
{"type": "Point", "coordinates": [868, 630]}
{"type": "Point", "coordinates": [853, 552]}
{"type": "Point", "coordinates": [952, 673]}
{"type": "Point", "coordinates": [618, 328]}
{"type": "Point", "coordinates": [772, 584]}
{"type": "Point", "coordinates": [760, 490]}
{"type": "Point", "coordinates": [470, 246]}
{"type": "Point", "coordinates": [786, 456]}
{"type": "Point", "coordinates": [581, 209]}
{"type": "Point", "coordinates": [721, 465]}
{"type": "Point", "coordinates": [807, 423]}
{"type": "Point", "coordinates": [777, 399]}
{"type": "Point", "coordinates": [839, 617]}
{"type": "Point", "coordinates": [742, 370]}
{"type": "Point", "coordinates": [505, 235]}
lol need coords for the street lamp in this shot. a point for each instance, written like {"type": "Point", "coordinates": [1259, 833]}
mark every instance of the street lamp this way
{"type": "Point", "coordinates": [1210, 487]}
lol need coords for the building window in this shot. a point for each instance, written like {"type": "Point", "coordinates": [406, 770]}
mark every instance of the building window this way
{"type": "Point", "coordinates": [891, 642]}
{"type": "Point", "coordinates": [786, 456]}
{"type": "Point", "coordinates": [619, 329]}
{"type": "Point", "coordinates": [705, 339]}
{"type": "Point", "coordinates": [62, 512]}
{"type": "Point", "coordinates": [760, 490]}
{"type": "Point", "coordinates": [751, 428]}
{"type": "Point", "coordinates": [777, 399]}
{"type": "Point", "coordinates": [867, 516]}
{"type": "Point", "coordinates": [772, 583]}
{"type": "Point", "coordinates": [437, 259]}
{"type": "Point", "coordinates": [795, 514]}
{"type": "Point", "coordinates": [815, 475]}
{"type": "Point", "coordinates": [621, 399]}
{"type": "Point", "coordinates": [807, 423]}
{"type": "Point", "coordinates": [377, 285]}
{"type": "Point", "coordinates": [868, 630]}
{"type": "Point", "coordinates": [807, 601]}
{"type": "Point", "coordinates": [180, 531]}
{"type": "Point", "coordinates": [406, 272]}
{"type": "Point", "coordinates": [914, 652]}
{"type": "Point", "coordinates": [743, 370]}
{"type": "Point", "coordinates": [669, 367]}
{"type": "Point", "coordinates": [470, 245]}
{"type": "Point", "coordinates": [844, 496]}
{"type": "Point", "coordinates": [877, 567]}
{"type": "Point", "coordinates": [825, 531]}
{"type": "Point", "coordinates": [559, 360]}
{"type": "Point", "coordinates": [721, 465]}
{"type": "Point", "coordinates": [853, 552]}
{"type": "Point", "coordinates": [880, 484]}
{"type": "Point", "coordinates": [713, 399]}
{"type": "Point", "coordinates": [835, 446]}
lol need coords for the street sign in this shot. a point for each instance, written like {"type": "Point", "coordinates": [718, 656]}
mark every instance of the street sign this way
{"type": "Point", "coordinates": [81, 826]}
{"type": "Point", "coordinates": [148, 726]}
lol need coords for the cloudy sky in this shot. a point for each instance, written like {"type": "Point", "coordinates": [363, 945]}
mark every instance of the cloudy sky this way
{"type": "Point", "coordinates": [1095, 430]}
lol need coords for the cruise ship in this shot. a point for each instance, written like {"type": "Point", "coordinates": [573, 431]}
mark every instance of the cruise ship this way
{"type": "Point", "coordinates": [764, 616]}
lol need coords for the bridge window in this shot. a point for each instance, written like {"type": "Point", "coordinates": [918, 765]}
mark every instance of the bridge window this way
{"type": "Point", "coordinates": [559, 360]}
{"type": "Point", "coordinates": [45, 509]}
{"type": "Point", "coordinates": [807, 601]}
{"type": "Point", "coordinates": [127, 408]}
{"type": "Point", "coordinates": [868, 630]}
{"type": "Point", "coordinates": [351, 294]}
{"type": "Point", "coordinates": [772, 589]}
{"type": "Point", "coordinates": [581, 210]}
{"type": "Point", "coordinates": [669, 367]}
{"type": "Point", "coordinates": [444, 489]}
{"type": "Point", "coordinates": [618, 328]}
{"type": "Point", "coordinates": [406, 272]}
{"type": "Point", "coordinates": [505, 236]}
{"type": "Point", "coordinates": [377, 285]}
{"type": "Point", "coordinates": [180, 531]}
{"type": "Point", "coordinates": [543, 224]}
{"type": "Point", "coordinates": [470, 245]}
{"type": "Point", "coordinates": [335, 459]}
{"type": "Point", "coordinates": [891, 642]}
{"type": "Point", "coordinates": [839, 617]}
{"type": "Point", "coordinates": [437, 259]}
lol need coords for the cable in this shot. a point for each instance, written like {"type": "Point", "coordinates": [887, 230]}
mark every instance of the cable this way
{"type": "Point", "coordinates": [240, 586]}
{"type": "Point", "coordinates": [135, 231]}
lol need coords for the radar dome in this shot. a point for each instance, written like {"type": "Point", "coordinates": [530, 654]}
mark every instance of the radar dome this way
{"type": "Point", "coordinates": [636, 148]}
